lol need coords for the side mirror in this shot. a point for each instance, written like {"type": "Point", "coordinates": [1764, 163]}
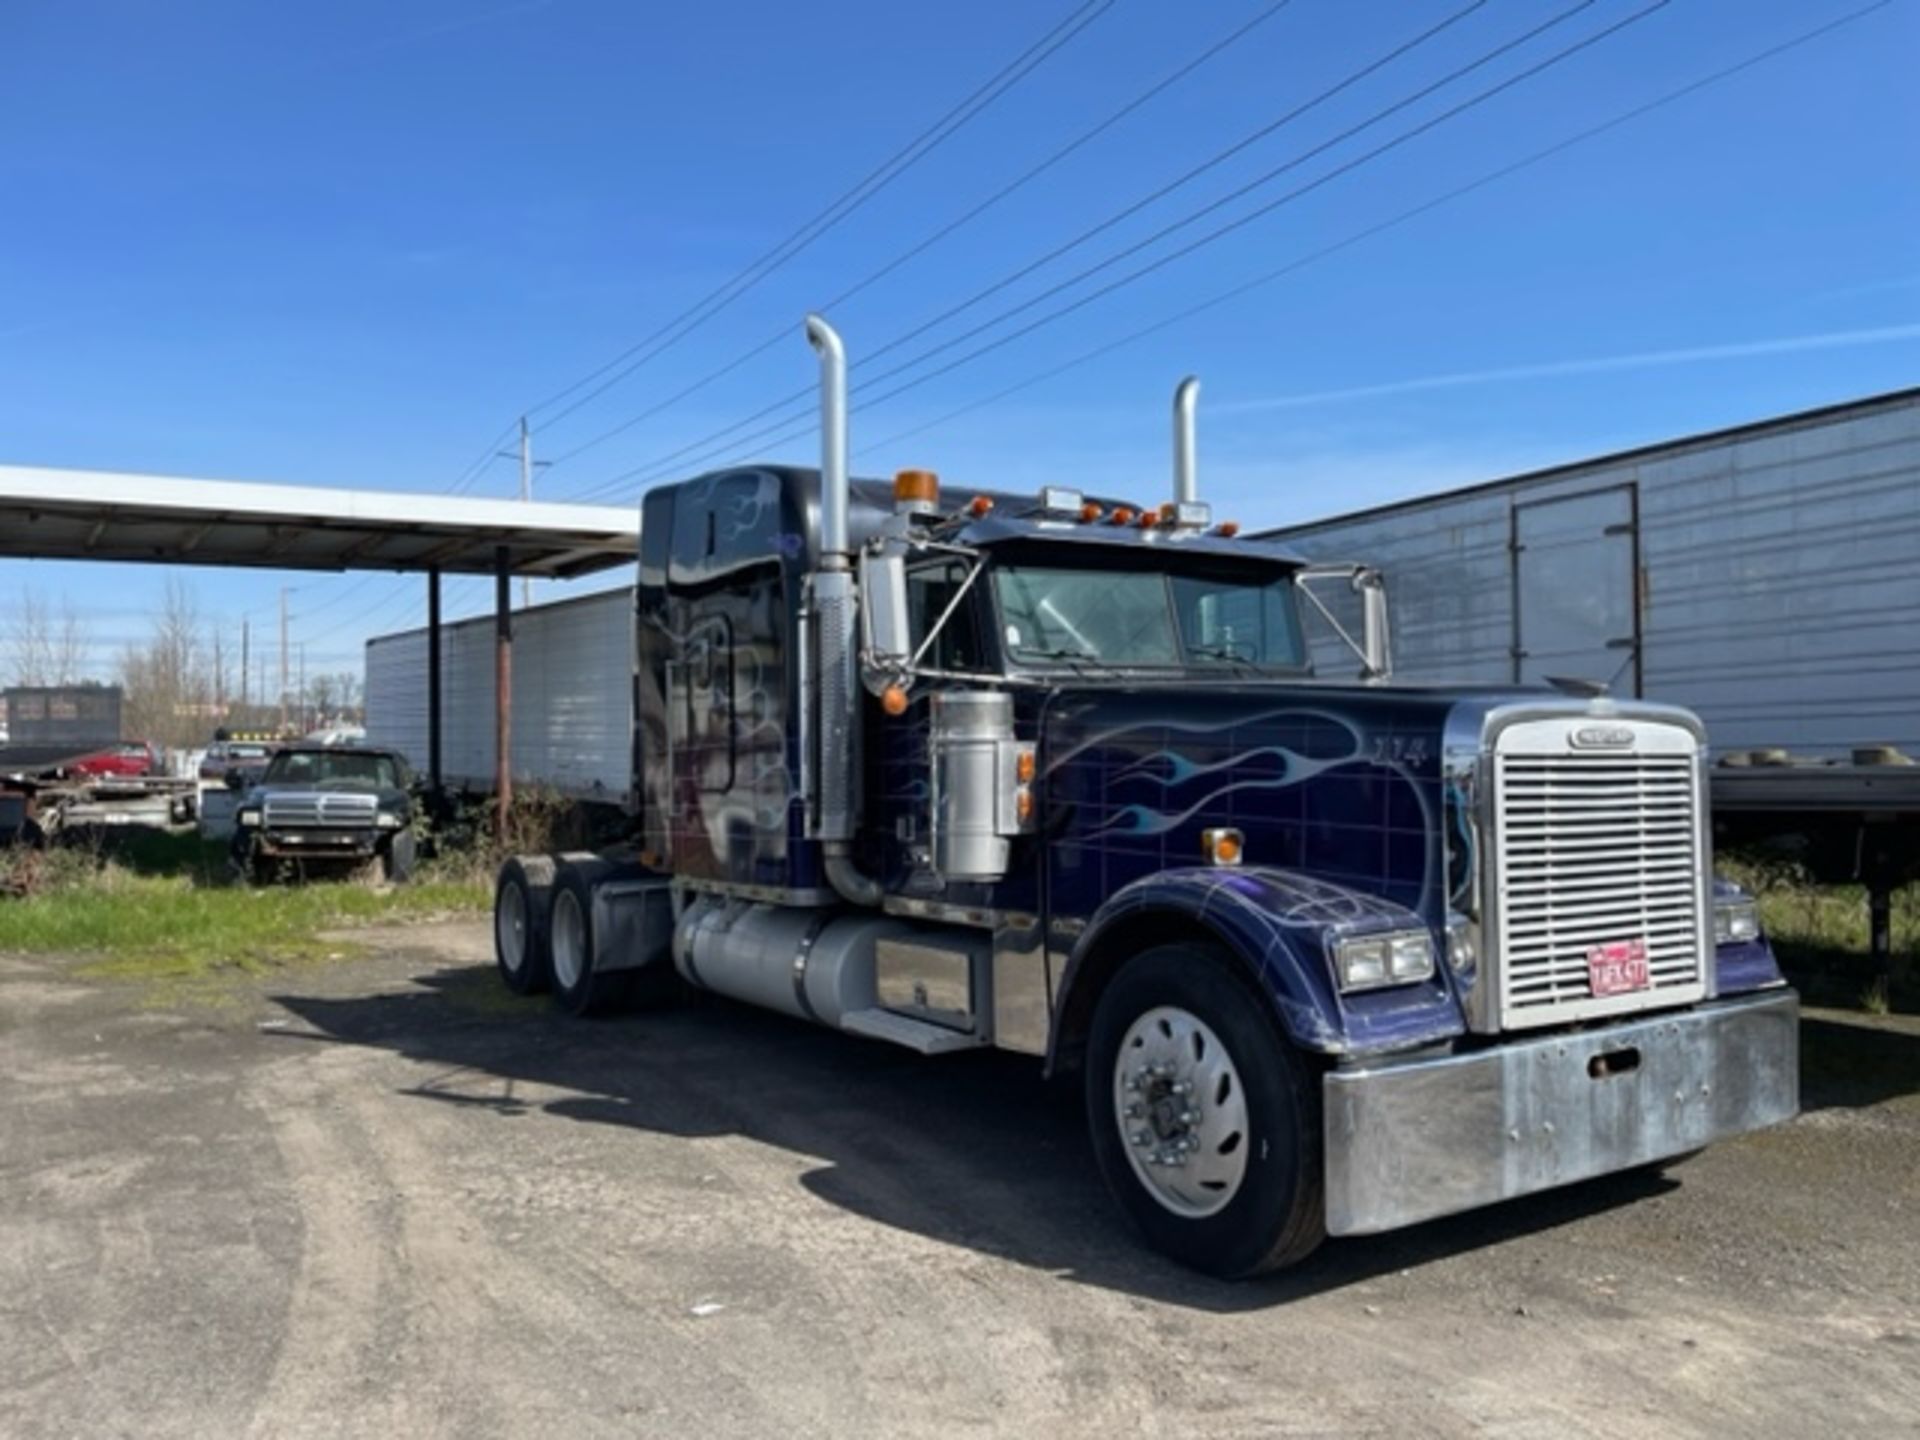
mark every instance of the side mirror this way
{"type": "Point", "coordinates": [1332, 593]}
{"type": "Point", "coordinates": [886, 631]}
{"type": "Point", "coordinates": [1376, 639]}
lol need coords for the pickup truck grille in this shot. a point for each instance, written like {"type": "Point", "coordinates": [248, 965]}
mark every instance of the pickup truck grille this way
{"type": "Point", "coordinates": [306, 811]}
{"type": "Point", "coordinates": [1594, 848]}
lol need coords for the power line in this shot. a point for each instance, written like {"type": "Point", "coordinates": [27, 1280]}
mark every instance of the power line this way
{"type": "Point", "coordinates": [1239, 222]}
{"type": "Point", "coordinates": [1393, 222]}
{"type": "Point", "coordinates": [641, 352]}
{"type": "Point", "coordinates": [1228, 228]}
{"type": "Point", "coordinates": [803, 397]}
{"type": "Point", "coordinates": [940, 233]}
{"type": "Point", "coordinates": [870, 185]}
{"type": "Point", "coordinates": [467, 478]}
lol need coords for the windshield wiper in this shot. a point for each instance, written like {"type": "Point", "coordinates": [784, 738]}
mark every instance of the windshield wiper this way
{"type": "Point", "coordinates": [1226, 653]}
{"type": "Point", "coordinates": [1080, 660]}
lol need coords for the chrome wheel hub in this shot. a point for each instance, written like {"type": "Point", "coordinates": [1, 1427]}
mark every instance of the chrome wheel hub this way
{"type": "Point", "coordinates": [510, 928]}
{"type": "Point", "coordinates": [1182, 1112]}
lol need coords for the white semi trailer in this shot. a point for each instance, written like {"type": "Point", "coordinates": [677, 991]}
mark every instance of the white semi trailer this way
{"type": "Point", "coordinates": [572, 697]}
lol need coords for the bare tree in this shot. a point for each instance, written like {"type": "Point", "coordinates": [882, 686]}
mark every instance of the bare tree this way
{"type": "Point", "coordinates": [169, 678]}
{"type": "Point", "coordinates": [44, 648]}
{"type": "Point", "coordinates": [70, 646]}
{"type": "Point", "coordinates": [29, 642]}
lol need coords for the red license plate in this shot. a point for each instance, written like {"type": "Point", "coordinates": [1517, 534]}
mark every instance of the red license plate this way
{"type": "Point", "coordinates": [1618, 969]}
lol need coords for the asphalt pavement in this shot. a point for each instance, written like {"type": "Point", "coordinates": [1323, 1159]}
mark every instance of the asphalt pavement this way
{"type": "Point", "coordinates": [380, 1197]}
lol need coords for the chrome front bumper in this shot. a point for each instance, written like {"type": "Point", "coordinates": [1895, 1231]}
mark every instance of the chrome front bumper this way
{"type": "Point", "coordinates": [1416, 1139]}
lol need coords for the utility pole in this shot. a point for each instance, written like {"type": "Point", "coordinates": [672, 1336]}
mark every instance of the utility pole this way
{"type": "Point", "coordinates": [219, 675]}
{"type": "Point", "coordinates": [283, 657]}
{"type": "Point", "coordinates": [245, 673]}
{"type": "Point", "coordinates": [527, 466]}
{"type": "Point", "coordinates": [304, 726]}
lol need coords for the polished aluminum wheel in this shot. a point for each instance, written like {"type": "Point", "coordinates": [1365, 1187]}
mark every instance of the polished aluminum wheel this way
{"type": "Point", "coordinates": [510, 928]}
{"type": "Point", "coordinates": [1182, 1112]}
{"type": "Point", "coordinates": [569, 940]}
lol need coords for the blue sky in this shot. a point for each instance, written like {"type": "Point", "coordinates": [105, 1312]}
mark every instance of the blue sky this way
{"type": "Point", "coordinates": [347, 244]}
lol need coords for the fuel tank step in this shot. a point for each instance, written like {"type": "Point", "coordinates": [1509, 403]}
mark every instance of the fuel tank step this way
{"type": "Point", "coordinates": [917, 1035]}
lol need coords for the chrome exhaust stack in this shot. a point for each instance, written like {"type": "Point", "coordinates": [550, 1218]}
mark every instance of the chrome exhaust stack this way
{"type": "Point", "coordinates": [834, 806]}
{"type": "Point", "coordinates": [834, 483]}
{"type": "Point", "coordinates": [1186, 452]}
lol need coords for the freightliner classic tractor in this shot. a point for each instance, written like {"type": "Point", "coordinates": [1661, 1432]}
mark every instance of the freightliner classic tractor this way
{"type": "Point", "coordinates": [1053, 773]}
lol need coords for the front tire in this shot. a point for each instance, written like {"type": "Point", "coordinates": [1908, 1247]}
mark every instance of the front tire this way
{"type": "Point", "coordinates": [396, 865]}
{"type": "Point", "coordinates": [1204, 1119]}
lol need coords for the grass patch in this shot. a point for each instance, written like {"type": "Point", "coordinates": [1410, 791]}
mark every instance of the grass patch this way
{"type": "Point", "coordinates": [1820, 934]}
{"type": "Point", "coordinates": [164, 907]}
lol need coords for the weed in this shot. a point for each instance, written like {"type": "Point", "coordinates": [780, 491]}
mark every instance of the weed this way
{"type": "Point", "coordinates": [173, 910]}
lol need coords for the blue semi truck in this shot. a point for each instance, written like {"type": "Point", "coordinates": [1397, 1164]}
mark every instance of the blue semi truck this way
{"type": "Point", "coordinates": [1053, 773]}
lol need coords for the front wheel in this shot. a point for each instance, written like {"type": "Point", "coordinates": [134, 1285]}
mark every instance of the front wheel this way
{"type": "Point", "coordinates": [397, 863]}
{"type": "Point", "coordinates": [1205, 1121]}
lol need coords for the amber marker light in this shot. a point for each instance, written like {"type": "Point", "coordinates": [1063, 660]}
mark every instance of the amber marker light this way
{"type": "Point", "coordinates": [893, 700]}
{"type": "Point", "coordinates": [1023, 804]}
{"type": "Point", "coordinates": [1122, 515]}
{"type": "Point", "coordinates": [1227, 529]}
{"type": "Point", "coordinates": [1223, 847]}
{"type": "Point", "coordinates": [1090, 513]}
{"type": "Point", "coordinates": [1024, 767]}
{"type": "Point", "coordinates": [1149, 519]}
{"type": "Point", "coordinates": [918, 487]}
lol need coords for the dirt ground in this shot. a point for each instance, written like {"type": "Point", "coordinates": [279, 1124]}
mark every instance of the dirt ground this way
{"type": "Point", "coordinates": [379, 1197]}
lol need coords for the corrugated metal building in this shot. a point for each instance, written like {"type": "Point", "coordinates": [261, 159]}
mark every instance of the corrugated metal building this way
{"type": "Point", "coordinates": [1766, 576]}
{"type": "Point", "coordinates": [572, 697]}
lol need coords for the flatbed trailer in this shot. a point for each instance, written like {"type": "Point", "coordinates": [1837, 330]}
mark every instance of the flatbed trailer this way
{"type": "Point", "coordinates": [1852, 822]}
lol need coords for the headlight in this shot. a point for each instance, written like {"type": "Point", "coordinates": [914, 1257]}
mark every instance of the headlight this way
{"type": "Point", "coordinates": [1382, 957]}
{"type": "Point", "coordinates": [247, 817]}
{"type": "Point", "coordinates": [1735, 922]}
{"type": "Point", "coordinates": [387, 820]}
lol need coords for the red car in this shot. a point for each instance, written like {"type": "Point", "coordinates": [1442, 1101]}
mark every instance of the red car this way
{"type": "Point", "coordinates": [129, 758]}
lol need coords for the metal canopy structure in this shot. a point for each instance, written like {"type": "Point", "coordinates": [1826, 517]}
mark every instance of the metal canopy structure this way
{"type": "Point", "coordinates": [58, 514]}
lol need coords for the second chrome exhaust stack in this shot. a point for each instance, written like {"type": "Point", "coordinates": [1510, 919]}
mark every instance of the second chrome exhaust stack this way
{"type": "Point", "coordinates": [1186, 462]}
{"type": "Point", "coordinates": [834, 806]}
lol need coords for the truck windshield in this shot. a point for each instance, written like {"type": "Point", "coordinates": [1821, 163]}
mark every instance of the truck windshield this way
{"type": "Point", "coordinates": [1148, 620]}
{"type": "Point", "coordinates": [333, 769]}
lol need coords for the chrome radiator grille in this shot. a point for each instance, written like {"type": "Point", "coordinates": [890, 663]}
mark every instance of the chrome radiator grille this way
{"type": "Point", "coordinates": [1597, 847]}
{"type": "Point", "coordinates": [307, 810]}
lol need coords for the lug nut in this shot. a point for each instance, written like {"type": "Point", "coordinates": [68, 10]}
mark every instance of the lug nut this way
{"type": "Point", "coordinates": [1140, 1137]}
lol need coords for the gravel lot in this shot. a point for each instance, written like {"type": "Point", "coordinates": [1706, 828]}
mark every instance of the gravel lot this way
{"type": "Point", "coordinates": [378, 1197]}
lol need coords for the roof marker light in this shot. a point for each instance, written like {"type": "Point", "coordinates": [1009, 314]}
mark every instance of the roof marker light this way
{"type": "Point", "coordinates": [1122, 515]}
{"type": "Point", "coordinates": [1227, 529]}
{"type": "Point", "coordinates": [916, 492]}
{"type": "Point", "coordinates": [979, 506]}
{"type": "Point", "coordinates": [1090, 513]}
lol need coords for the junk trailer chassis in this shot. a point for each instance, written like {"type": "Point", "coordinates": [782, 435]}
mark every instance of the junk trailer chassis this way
{"type": "Point", "coordinates": [1052, 774]}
